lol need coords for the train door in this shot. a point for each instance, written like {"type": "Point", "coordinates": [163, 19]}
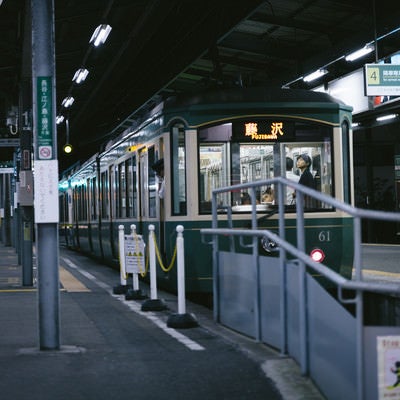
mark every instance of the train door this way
{"type": "Point", "coordinates": [113, 229]}
{"type": "Point", "coordinates": [147, 185]}
{"type": "Point", "coordinates": [151, 207]}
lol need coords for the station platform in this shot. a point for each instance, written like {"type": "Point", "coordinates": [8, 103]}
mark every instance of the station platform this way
{"type": "Point", "coordinates": [111, 349]}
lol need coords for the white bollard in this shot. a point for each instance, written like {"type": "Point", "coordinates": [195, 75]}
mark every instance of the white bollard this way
{"type": "Point", "coordinates": [135, 276]}
{"type": "Point", "coordinates": [153, 304]}
{"type": "Point", "coordinates": [152, 262]}
{"type": "Point", "coordinates": [181, 320]}
{"type": "Point", "coordinates": [121, 244]}
{"type": "Point", "coordinates": [122, 287]}
{"type": "Point", "coordinates": [180, 260]}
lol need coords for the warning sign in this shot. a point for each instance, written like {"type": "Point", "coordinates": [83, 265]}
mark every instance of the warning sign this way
{"type": "Point", "coordinates": [388, 367]}
{"type": "Point", "coordinates": [134, 254]}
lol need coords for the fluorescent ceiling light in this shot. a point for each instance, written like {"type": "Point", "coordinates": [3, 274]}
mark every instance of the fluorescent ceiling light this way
{"type": "Point", "coordinates": [100, 34]}
{"type": "Point", "coordinates": [315, 75]}
{"type": "Point", "coordinates": [360, 53]}
{"type": "Point", "coordinates": [80, 75]}
{"type": "Point", "coordinates": [59, 119]}
{"type": "Point", "coordinates": [68, 101]}
{"type": "Point", "coordinates": [386, 117]}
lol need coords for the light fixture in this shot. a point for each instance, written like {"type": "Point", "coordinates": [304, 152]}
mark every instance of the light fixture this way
{"type": "Point", "coordinates": [386, 117]}
{"type": "Point", "coordinates": [315, 75]}
{"type": "Point", "coordinates": [360, 53]}
{"type": "Point", "coordinates": [59, 119]}
{"type": "Point", "coordinates": [68, 101]}
{"type": "Point", "coordinates": [100, 34]}
{"type": "Point", "coordinates": [80, 75]}
{"type": "Point", "coordinates": [67, 148]}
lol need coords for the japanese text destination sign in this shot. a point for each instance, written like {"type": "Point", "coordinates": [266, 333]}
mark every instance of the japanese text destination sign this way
{"type": "Point", "coordinates": [382, 79]}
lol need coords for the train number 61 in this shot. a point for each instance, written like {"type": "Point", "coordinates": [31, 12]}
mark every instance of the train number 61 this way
{"type": "Point", "coordinates": [324, 236]}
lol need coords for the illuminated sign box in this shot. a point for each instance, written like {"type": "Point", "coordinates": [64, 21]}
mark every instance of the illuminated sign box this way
{"type": "Point", "coordinates": [263, 130]}
{"type": "Point", "coordinates": [382, 79]}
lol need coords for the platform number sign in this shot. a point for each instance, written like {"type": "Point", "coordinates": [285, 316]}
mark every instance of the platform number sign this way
{"type": "Point", "coordinates": [44, 118]}
{"type": "Point", "coordinates": [373, 76]}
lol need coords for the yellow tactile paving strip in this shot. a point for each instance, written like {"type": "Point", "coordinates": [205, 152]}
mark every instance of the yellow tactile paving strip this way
{"type": "Point", "coordinates": [70, 283]}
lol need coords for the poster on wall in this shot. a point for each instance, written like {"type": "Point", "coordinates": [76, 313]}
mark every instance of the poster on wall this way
{"type": "Point", "coordinates": [388, 351]}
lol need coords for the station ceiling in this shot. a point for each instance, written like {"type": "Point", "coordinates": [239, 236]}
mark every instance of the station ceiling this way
{"type": "Point", "coordinates": [160, 48]}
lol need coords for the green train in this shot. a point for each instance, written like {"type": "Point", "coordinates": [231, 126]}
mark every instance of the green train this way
{"type": "Point", "coordinates": [206, 141]}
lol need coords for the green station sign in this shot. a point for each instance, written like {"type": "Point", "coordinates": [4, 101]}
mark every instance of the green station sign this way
{"type": "Point", "coordinates": [45, 118]}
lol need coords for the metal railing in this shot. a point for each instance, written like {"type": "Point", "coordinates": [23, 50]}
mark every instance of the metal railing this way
{"type": "Point", "coordinates": [357, 285]}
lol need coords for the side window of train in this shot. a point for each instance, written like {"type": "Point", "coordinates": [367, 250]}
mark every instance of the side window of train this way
{"type": "Point", "coordinates": [104, 195]}
{"type": "Point", "coordinates": [93, 197]}
{"type": "Point", "coordinates": [131, 189]}
{"type": "Point", "coordinates": [122, 191]}
{"type": "Point", "coordinates": [178, 173]}
{"type": "Point", "coordinates": [152, 192]}
{"type": "Point", "coordinates": [214, 171]}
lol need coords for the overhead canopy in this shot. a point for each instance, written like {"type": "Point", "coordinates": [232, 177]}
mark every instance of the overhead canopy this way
{"type": "Point", "coordinates": [159, 48]}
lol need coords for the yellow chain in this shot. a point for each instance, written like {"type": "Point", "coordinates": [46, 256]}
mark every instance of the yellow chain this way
{"type": "Point", "coordinates": [160, 259]}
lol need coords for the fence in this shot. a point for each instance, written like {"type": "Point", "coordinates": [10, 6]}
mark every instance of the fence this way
{"type": "Point", "coordinates": [300, 318]}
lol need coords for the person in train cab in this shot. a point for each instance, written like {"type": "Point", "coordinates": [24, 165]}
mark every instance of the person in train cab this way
{"type": "Point", "coordinates": [303, 163]}
{"type": "Point", "coordinates": [290, 192]}
{"type": "Point", "coordinates": [158, 168]}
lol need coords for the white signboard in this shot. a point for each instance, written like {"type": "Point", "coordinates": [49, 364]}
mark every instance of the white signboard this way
{"type": "Point", "coordinates": [382, 79]}
{"type": "Point", "coordinates": [388, 348]}
{"type": "Point", "coordinates": [46, 191]}
{"type": "Point", "coordinates": [134, 254]}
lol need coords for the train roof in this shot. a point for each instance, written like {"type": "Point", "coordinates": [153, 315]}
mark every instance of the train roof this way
{"type": "Point", "coordinates": [253, 94]}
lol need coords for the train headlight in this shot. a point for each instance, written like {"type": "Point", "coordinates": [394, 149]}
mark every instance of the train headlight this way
{"type": "Point", "coordinates": [317, 255]}
{"type": "Point", "coordinates": [268, 245]}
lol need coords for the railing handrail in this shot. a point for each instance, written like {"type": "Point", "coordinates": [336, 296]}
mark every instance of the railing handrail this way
{"type": "Point", "coordinates": [303, 259]}
{"type": "Point", "coordinates": [351, 210]}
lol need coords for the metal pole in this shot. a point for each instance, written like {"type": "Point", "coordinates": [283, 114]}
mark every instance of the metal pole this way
{"type": "Point", "coordinates": [27, 259]}
{"type": "Point", "coordinates": [283, 272]}
{"type": "Point", "coordinates": [302, 285]}
{"type": "Point", "coordinates": [46, 172]}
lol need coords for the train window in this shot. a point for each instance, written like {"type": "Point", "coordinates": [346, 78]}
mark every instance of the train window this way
{"type": "Point", "coordinates": [321, 163]}
{"type": "Point", "coordinates": [178, 174]}
{"type": "Point", "coordinates": [93, 199]}
{"type": "Point", "coordinates": [228, 157]}
{"type": "Point", "coordinates": [131, 190]}
{"type": "Point", "coordinates": [251, 162]}
{"type": "Point", "coordinates": [104, 195]}
{"type": "Point", "coordinates": [122, 192]}
{"type": "Point", "coordinates": [213, 173]}
{"type": "Point", "coordinates": [85, 201]}
{"type": "Point", "coordinates": [152, 183]}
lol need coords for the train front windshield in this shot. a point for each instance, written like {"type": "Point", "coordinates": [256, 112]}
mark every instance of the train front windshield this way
{"type": "Point", "coordinates": [237, 153]}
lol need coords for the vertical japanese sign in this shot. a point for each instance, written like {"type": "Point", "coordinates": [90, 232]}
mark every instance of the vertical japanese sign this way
{"type": "Point", "coordinates": [46, 205]}
{"type": "Point", "coordinates": [45, 118]}
{"type": "Point", "coordinates": [388, 348]}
